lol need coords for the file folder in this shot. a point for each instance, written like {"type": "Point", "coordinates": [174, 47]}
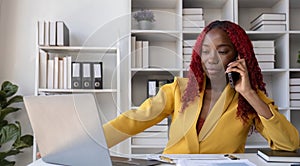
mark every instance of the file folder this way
{"type": "Point", "coordinates": [86, 76]}
{"type": "Point", "coordinates": [76, 75]}
{"type": "Point", "coordinates": [97, 75]}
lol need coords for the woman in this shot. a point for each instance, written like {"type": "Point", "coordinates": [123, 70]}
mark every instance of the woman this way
{"type": "Point", "coordinates": [208, 116]}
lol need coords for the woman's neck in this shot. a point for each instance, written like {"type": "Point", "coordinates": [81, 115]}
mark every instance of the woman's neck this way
{"type": "Point", "coordinates": [216, 85]}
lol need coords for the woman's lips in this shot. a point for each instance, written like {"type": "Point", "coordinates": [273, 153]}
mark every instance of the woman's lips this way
{"type": "Point", "coordinates": [213, 71]}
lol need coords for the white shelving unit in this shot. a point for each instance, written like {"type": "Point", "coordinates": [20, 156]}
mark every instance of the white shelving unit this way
{"type": "Point", "coordinates": [165, 42]}
{"type": "Point", "coordinates": [108, 98]}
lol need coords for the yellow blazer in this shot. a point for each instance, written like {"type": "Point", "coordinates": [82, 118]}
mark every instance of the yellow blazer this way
{"type": "Point", "coordinates": [222, 131]}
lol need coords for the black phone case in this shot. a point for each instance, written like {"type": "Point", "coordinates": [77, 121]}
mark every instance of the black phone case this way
{"type": "Point", "coordinates": [233, 77]}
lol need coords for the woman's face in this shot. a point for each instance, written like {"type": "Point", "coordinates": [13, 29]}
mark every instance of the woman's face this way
{"type": "Point", "coordinates": [217, 52]}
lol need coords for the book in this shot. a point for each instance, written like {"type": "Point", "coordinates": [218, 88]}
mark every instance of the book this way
{"type": "Point", "coordinates": [192, 11]}
{"type": "Point", "coordinates": [160, 134]}
{"type": "Point", "coordinates": [43, 59]}
{"type": "Point", "coordinates": [193, 17]}
{"type": "Point", "coordinates": [294, 81]}
{"type": "Point", "coordinates": [50, 74]}
{"type": "Point", "coordinates": [187, 57]}
{"type": "Point", "coordinates": [139, 54]}
{"type": "Point", "coordinates": [264, 50]}
{"type": "Point", "coordinates": [46, 35]}
{"type": "Point", "coordinates": [158, 128]}
{"type": "Point", "coordinates": [69, 72]}
{"type": "Point", "coordinates": [295, 88]}
{"type": "Point", "coordinates": [266, 65]}
{"type": "Point", "coordinates": [295, 96]}
{"type": "Point", "coordinates": [145, 54]}
{"type": "Point", "coordinates": [56, 72]}
{"type": "Point", "coordinates": [194, 29]}
{"type": "Point", "coordinates": [190, 23]}
{"type": "Point", "coordinates": [133, 56]}
{"type": "Point", "coordinates": [149, 141]}
{"type": "Point", "coordinates": [279, 155]}
{"type": "Point", "coordinates": [62, 34]}
{"type": "Point", "coordinates": [52, 33]}
{"type": "Point", "coordinates": [189, 43]}
{"type": "Point", "coordinates": [265, 57]}
{"type": "Point", "coordinates": [269, 27]}
{"type": "Point", "coordinates": [186, 64]}
{"type": "Point", "coordinates": [60, 74]}
{"type": "Point", "coordinates": [263, 43]}
{"type": "Point", "coordinates": [41, 33]}
{"type": "Point", "coordinates": [268, 16]}
{"type": "Point", "coordinates": [187, 50]}
{"type": "Point", "coordinates": [295, 103]}
{"type": "Point", "coordinates": [65, 73]}
{"type": "Point", "coordinates": [269, 22]}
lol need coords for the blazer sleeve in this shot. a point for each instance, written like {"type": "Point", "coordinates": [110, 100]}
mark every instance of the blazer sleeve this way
{"type": "Point", "coordinates": [279, 132]}
{"type": "Point", "coordinates": [152, 111]}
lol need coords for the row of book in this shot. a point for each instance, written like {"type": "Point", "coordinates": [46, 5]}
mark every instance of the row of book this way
{"type": "Point", "coordinates": [265, 53]}
{"type": "Point", "coordinates": [54, 72]}
{"type": "Point", "coordinates": [192, 19]}
{"type": "Point", "coordinates": [295, 92]}
{"type": "Point", "coordinates": [53, 33]}
{"type": "Point", "coordinates": [155, 135]}
{"type": "Point", "coordinates": [187, 51]}
{"type": "Point", "coordinates": [139, 53]}
{"type": "Point", "coordinates": [269, 22]}
{"type": "Point", "coordinates": [60, 72]}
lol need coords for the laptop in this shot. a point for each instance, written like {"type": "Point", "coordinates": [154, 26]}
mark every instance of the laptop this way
{"type": "Point", "coordinates": [68, 131]}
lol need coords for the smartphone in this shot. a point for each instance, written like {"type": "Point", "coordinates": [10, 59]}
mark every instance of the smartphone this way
{"type": "Point", "coordinates": [233, 77]}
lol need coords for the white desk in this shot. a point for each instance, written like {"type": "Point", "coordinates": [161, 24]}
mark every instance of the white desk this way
{"type": "Point", "coordinates": [252, 157]}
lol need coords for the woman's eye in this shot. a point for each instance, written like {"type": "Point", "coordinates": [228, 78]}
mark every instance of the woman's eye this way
{"type": "Point", "coordinates": [222, 52]}
{"type": "Point", "coordinates": [205, 52]}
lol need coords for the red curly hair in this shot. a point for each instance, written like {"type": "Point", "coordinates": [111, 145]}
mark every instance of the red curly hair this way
{"type": "Point", "coordinates": [244, 48]}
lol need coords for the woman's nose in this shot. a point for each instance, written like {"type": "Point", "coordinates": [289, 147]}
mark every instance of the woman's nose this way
{"type": "Point", "coordinates": [213, 57]}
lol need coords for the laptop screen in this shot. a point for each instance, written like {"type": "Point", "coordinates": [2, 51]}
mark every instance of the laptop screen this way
{"type": "Point", "coordinates": [68, 129]}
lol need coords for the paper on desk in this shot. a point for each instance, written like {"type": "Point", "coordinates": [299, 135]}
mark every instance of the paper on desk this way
{"type": "Point", "coordinates": [189, 156]}
{"type": "Point", "coordinates": [202, 160]}
{"type": "Point", "coordinates": [186, 162]}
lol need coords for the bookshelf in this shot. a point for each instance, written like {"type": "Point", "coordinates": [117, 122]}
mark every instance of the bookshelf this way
{"type": "Point", "coordinates": [166, 40]}
{"type": "Point", "coordinates": [108, 97]}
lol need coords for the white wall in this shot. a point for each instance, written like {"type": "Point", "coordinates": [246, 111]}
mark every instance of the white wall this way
{"type": "Point", "coordinates": [91, 22]}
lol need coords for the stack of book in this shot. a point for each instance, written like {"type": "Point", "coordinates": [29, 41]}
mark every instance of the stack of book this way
{"type": "Point", "coordinates": [280, 156]}
{"type": "Point", "coordinates": [269, 22]}
{"type": "Point", "coordinates": [60, 72]}
{"type": "Point", "coordinates": [295, 92]}
{"type": "Point", "coordinates": [265, 53]}
{"type": "Point", "coordinates": [156, 135]}
{"type": "Point", "coordinates": [193, 19]}
{"type": "Point", "coordinates": [53, 33]}
{"type": "Point", "coordinates": [187, 52]}
{"type": "Point", "coordinates": [139, 53]}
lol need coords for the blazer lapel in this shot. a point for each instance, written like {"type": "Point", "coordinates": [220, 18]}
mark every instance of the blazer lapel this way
{"type": "Point", "coordinates": [185, 123]}
{"type": "Point", "coordinates": [217, 110]}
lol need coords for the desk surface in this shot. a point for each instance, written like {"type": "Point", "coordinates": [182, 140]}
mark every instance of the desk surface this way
{"type": "Point", "coordinates": [252, 157]}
